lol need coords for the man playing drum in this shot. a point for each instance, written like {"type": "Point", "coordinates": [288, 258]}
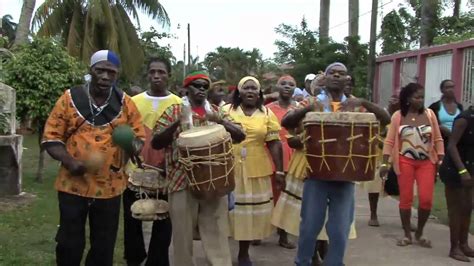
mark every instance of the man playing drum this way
{"type": "Point", "coordinates": [151, 104]}
{"type": "Point", "coordinates": [337, 197]}
{"type": "Point", "coordinates": [211, 215]}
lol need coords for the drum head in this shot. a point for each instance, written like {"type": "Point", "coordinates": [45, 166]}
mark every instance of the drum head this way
{"type": "Point", "coordinates": [202, 136]}
{"type": "Point", "coordinates": [339, 117]}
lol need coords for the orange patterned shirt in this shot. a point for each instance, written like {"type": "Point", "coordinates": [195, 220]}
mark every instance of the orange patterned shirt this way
{"type": "Point", "coordinates": [71, 124]}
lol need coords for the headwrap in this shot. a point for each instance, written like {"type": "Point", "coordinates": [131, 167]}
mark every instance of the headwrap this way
{"type": "Point", "coordinates": [286, 77]}
{"type": "Point", "coordinates": [309, 77]}
{"type": "Point", "coordinates": [194, 76]}
{"type": "Point", "coordinates": [248, 78]}
{"type": "Point", "coordinates": [105, 55]}
{"type": "Point", "coordinates": [334, 65]}
{"type": "Point", "coordinates": [219, 82]}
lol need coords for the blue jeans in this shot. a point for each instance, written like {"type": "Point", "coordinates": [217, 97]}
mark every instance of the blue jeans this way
{"type": "Point", "coordinates": [338, 198]}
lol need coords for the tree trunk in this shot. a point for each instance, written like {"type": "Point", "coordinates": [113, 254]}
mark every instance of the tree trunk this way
{"type": "Point", "coordinates": [353, 18]}
{"type": "Point", "coordinates": [23, 28]}
{"type": "Point", "coordinates": [457, 7]}
{"type": "Point", "coordinates": [39, 171]}
{"type": "Point", "coordinates": [372, 44]}
{"type": "Point", "coordinates": [324, 20]}
{"type": "Point", "coordinates": [428, 17]}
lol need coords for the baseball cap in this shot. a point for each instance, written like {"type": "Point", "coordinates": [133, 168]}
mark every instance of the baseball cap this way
{"type": "Point", "coordinates": [309, 77]}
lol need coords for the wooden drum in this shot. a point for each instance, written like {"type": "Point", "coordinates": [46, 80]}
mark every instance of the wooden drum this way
{"type": "Point", "coordinates": [341, 146]}
{"type": "Point", "coordinates": [206, 153]}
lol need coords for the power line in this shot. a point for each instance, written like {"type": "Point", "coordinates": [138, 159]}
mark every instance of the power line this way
{"type": "Point", "coordinates": [363, 14]}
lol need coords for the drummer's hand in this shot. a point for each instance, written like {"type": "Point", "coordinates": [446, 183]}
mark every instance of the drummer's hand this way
{"type": "Point", "coordinates": [320, 79]}
{"type": "Point", "coordinates": [280, 179]}
{"type": "Point", "coordinates": [213, 117]}
{"type": "Point", "coordinates": [185, 113]}
{"type": "Point", "coordinates": [351, 103]}
{"type": "Point", "coordinates": [316, 106]}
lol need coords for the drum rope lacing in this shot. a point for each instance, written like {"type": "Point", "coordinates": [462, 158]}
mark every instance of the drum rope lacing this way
{"type": "Point", "coordinates": [350, 156]}
{"type": "Point", "coordinates": [210, 160]}
{"type": "Point", "coordinates": [147, 189]}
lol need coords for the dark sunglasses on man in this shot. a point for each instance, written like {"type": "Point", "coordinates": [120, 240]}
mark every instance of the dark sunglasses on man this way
{"type": "Point", "coordinates": [200, 85]}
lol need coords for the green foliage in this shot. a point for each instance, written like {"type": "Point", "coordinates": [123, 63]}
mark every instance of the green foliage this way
{"type": "Point", "coordinates": [393, 33]}
{"type": "Point", "coordinates": [357, 56]}
{"type": "Point", "coordinates": [85, 26]}
{"type": "Point", "coordinates": [232, 64]}
{"type": "Point", "coordinates": [401, 28]}
{"type": "Point", "coordinates": [40, 72]}
{"type": "Point", "coordinates": [177, 75]}
{"type": "Point", "coordinates": [454, 29]}
{"type": "Point", "coordinates": [4, 123]}
{"type": "Point", "coordinates": [300, 47]}
{"type": "Point", "coordinates": [150, 43]}
{"type": "Point", "coordinates": [8, 30]}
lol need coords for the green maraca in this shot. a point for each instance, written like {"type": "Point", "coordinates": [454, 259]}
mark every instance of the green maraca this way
{"type": "Point", "coordinates": [123, 137]}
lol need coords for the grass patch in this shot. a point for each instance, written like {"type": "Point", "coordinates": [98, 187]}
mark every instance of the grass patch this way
{"type": "Point", "coordinates": [27, 233]}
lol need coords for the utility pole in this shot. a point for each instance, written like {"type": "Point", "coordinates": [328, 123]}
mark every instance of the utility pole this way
{"type": "Point", "coordinates": [189, 45]}
{"type": "Point", "coordinates": [184, 61]}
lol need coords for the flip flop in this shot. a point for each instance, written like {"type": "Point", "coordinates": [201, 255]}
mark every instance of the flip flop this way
{"type": "Point", "coordinates": [404, 242]}
{"type": "Point", "coordinates": [374, 223]}
{"type": "Point", "coordinates": [423, 242]}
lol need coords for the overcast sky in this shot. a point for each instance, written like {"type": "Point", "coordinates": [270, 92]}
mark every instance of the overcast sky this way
{"type": "Point", "coordinates": [244, 23]}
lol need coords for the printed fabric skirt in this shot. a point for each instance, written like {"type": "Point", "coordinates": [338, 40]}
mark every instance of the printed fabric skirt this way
{"type": "Point", "coordinates": [286, 214]}
{"type": "Point", "coordinates": [250, 218]}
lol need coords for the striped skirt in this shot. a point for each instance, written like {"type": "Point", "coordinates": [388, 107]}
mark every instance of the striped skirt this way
{"type": "Point", "coordinates": [250, 219]}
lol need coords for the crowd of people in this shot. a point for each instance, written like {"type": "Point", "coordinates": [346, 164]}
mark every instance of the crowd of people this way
{"type": "Point", "coordinates": [274, 191]}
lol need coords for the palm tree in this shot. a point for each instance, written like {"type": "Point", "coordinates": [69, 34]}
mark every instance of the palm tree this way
{"type": "Point", "coordinates": [8, 28]}
{"type": "Point", "coordinates": [457, 8]}
{"type": "Point", "coordinates": [353, 18]}
{"type": "Point", "coordinates": [428, 17]}
{"type": "Point", "coordinates": [86, 26]}
{"type": "Point", "coordinates": [23, 29]}
{"type": "Point", "coordinates": [372, 45]}
{"type": "Point", "coordinates": [324, 20]}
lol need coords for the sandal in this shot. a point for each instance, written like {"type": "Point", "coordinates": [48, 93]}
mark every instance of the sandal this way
{"type": "Point", "coordinates": [374, 223]}
{"type": "Point", "coordinates": [404, 242]}
{"type": "Point", "coordinates": [286, 244]}
{"type": "Point", "coordinates": [423, 242]}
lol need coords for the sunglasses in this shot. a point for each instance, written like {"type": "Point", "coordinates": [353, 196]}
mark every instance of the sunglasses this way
{"type": "Point", "coordinates": [199, 85]}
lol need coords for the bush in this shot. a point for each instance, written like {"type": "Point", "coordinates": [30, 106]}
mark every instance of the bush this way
{"type": "Point", "coordinates": [40, 72]}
